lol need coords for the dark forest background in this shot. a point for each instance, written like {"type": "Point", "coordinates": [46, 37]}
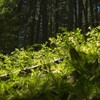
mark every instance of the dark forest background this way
{"type": "Point", "coordinates": [26, 22]}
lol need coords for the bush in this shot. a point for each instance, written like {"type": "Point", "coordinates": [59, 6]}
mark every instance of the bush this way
{"type": "Point", "coordinates": [66, 68]}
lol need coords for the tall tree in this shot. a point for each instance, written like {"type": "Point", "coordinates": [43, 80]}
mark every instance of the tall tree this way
{"type": "Point", "coordinates": [33, 9]}
{"type": "Point", "coordinates": [44, 15]}
{"type": "Point", "coordinates": [86, 15]}
{"type": "Point", "coordinates": [80, 13]}
{"type": "Point", "coordinates": [92, 18]}
{"type": "Point", "coordinates": [57, 2]}
{"type": "Point", "coordinates": [70, 15]}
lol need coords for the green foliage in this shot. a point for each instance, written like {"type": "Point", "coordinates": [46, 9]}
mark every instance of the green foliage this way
{"type": "Point", "coordinates": [9, 28]}
{"type": "Point", "coordinates": [74, 78]}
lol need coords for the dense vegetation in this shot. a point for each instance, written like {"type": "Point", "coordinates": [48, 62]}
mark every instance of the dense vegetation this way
{"type": "Point", "coordinates": [51, 61]}
{"type": "Point", "coordinates": [75, 76]}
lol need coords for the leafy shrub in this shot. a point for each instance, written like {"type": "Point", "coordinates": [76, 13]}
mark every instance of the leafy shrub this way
{"type": "Point", "coordinates": [74, 77]}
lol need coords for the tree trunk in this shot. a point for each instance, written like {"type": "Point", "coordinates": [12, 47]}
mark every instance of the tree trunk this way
{"type": "Point", "coordinates": [70, 15]}
{"type": "Point", "coordinates": [44, 15]}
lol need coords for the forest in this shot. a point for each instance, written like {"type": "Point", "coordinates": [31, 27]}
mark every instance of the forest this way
{"type": "Point", "coordinates": [49, 49]}
{"type": "Point", "coordinates": [26, 22]}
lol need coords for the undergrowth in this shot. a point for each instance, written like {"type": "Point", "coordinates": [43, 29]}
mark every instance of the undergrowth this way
{"type": "Point", "coordinates": [76, 77]}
